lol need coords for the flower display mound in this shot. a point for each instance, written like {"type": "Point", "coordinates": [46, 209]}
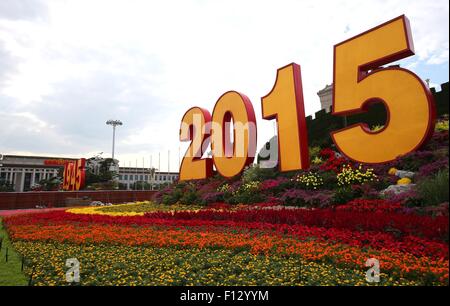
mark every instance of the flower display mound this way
{"type": "Point", "coordinates": [221, 244]}
{"type": "Point", "coordinates": [418, 181]}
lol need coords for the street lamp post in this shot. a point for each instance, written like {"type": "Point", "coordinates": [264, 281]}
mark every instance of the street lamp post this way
{"type": "Point", "coordinates": [114, 123]}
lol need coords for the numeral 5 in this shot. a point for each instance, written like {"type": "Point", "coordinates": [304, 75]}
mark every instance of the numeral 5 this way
{"type": "Point", "coordinates": [359, 81]}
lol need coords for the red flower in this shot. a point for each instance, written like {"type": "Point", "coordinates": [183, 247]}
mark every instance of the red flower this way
{"type": "Point", "coordinates": [332, 162]}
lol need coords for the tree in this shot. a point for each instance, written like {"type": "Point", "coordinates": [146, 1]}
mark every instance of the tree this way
{"type": "Point", "coordinates": [101, 172]}
{"type": "Point", "coordinates": [6, 186]}
{"type": "Point", "coordinates": [140, 185]}
{"type": "Point", "coordinates": [51, 184]}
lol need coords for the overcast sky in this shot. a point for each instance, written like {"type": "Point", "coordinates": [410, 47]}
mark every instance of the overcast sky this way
{"type": "Point", "coordinates": [66, 67]}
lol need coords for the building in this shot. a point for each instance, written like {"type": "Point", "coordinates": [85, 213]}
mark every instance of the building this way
{"type": "Point", "coordinates": [128, 176]}
{"type": "Point", "coordinates": [23, 172]}
{"type": "Point", "coordinates": [326, 97]}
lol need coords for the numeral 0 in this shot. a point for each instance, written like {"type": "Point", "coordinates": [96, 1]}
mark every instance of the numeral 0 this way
{"type": "Point", "coordinates": [358, 81]}
{"type": "Point", "coordinates": [230, 158]}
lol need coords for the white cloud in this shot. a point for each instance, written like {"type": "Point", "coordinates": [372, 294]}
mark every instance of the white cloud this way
{"type": "Point", "coordinates": [147, 62]}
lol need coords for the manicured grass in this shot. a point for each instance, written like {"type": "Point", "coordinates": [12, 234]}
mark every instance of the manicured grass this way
{"type": "Point", "coordinates": [10, 272]}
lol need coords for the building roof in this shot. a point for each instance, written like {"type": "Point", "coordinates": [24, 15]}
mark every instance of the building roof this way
{"type": "Point", "coordinates": [134, 170]}
{"type": "Point", "coordinates": [36, 157]}
{"type": "Point", "coordinates": [325, 90]}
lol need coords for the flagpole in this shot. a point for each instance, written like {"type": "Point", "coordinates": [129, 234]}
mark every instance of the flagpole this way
{"type": "Point", "coordinates": [159, 165]}
{"type": "Point", "coordinates": [129, 169]}
{"type": "Point", "coordinates": [151, 173]}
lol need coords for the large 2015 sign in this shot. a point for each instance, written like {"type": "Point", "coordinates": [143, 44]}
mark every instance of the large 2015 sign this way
{"type": "Point", "coordinates": [358, 81]}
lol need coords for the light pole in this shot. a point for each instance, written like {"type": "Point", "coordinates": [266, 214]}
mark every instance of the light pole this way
{"type": "Point", "coordinates": [114, 123]}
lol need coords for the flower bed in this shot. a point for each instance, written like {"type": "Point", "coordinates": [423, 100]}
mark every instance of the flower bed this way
{"type": "Point", "coordinates": [123, 265]}
{"type": "Point", "coordinates": [259, 245]}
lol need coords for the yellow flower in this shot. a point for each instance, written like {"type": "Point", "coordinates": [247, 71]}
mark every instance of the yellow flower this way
{"type": "Point", "coordinates": [404, 181]}
{"type": "Point", "coordinates": [392, 171]}
{"type": "Point", "coordinates": [317, 160]}
{"type": "Point", "coordinates": [98, 211]}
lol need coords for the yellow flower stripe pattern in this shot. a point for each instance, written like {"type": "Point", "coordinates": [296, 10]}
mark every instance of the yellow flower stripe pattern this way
{"type": "Point", "coordinates": [130, 209]}
{"type": "Point", "coordinates": [99, 211]}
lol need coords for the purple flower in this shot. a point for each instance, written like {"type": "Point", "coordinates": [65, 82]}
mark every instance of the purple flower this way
{"type": "Point", "coordinates": [402, 197]}
{"type": "Point", "coordinates": [310, 198]}
{"type": "Point", "coordinates": [211, 197]}
{"type": "Point", "coordinates": [432, 168]}
{"type": "Point", "coordinates": [273, 183]}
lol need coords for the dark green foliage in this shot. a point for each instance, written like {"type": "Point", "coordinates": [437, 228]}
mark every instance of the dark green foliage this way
{"type": "Point", "coordinates": [256, 173]}
{"type": "Point", "coordinates": [183, 192]}
{"type": "Point", "coordinates": [414, 160]}
{"type": "Point", "coordinates": [344, 195]}
{"type": "Point", "coordinates": [6, 186]}
{"type": "Point", "coordinates": [329, 180]}
{"type": "Point", "coordinates": [434, 190]}
{"type": "Point", "coordinates": [104, 174]}
{"type": "Point", "coordinates": [246, 198]}
{"type": "Point", "coordinates": [190, 197]}
{"type": "Point", "coordinates": [140, 185]}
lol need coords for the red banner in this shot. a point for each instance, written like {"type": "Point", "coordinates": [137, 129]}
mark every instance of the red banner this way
{"type": "Point", "coordinates": [57, 162]}
{"type": "Point", "coordinates": [74, 174]}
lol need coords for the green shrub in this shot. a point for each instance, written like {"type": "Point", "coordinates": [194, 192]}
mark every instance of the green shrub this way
{"type": "Point", "coordinates": [314, 152]}
{"type": "Point", "coordinates": [414, 160]}
{"type": "Point", "coordinates": [190, 197]}
{"type": "Point", "coordinates": [383, 182]}
{"type": "Point", "coordinates": [174, 195]}
{"type": "Point", "coordinates": [189, 193]}
{"type": "Point", "coordinates": [5, 186]}
{"type": "Point", "coordinates": [329, 179]}
{"type": "Point", "coordinates": [441, 125]}
{"type": "Point", "coordinates": [434, 190]}
{"type": "Point", "coordinates": [168, 199]}
{"type": "Point", "coordinates": [255, 173]}
{"type": "Point", "coordinates": [247, 193]}
{"type": "Point", "coordinates": [344, 194]}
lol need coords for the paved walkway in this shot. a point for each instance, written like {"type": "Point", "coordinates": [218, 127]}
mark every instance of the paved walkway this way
{"type": "Point", "coordinates": [10, 212]}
